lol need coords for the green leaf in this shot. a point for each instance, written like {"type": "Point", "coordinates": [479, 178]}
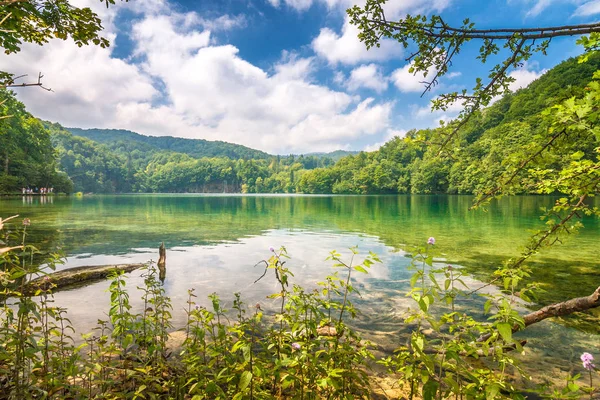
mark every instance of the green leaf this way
{"type": "Point", "coordinates": [430, 389]}
{"type": "Point", "coordinates": [505, 330]}
{"type": "Point", "coordinates": [491, 392]}
{"type": "Point", "coordinates": [245, 379]}
{"type": "Point", "coordinates": [361, 269]}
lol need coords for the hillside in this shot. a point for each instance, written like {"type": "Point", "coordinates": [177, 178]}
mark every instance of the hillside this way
{"type": "Point", "coordinates": [485, 145]}
{"type": "Point", "coordinates": [119, 161]}
{"type": "Point", "coordinates": [196, 148]}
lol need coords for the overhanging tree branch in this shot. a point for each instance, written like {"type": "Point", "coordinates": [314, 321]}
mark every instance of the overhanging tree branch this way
{"type": "Point", "coordinates": [432, 35]}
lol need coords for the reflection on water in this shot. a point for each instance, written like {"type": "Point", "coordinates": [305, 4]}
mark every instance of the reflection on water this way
{"type": "Point", "coordinates": [213, 243]}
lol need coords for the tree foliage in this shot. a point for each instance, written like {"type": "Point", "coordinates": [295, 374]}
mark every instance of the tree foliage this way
{"type": "Point", "coordinates": [38, 21]}
{"type": "Point", "coordinates": [26, 154]}
{"type": "Point", "coordinates": [434, 44]}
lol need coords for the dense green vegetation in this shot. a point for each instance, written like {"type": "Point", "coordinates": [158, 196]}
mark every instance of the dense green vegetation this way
{"type": "Point", "coordinates": [492, 136]}
{"type": "Point", "coordinates": [118, 161]}
{"type": "Point", "coordinates": [143, 164]}
{"type": "Point", "coordinates": [126, 141]}
{"type": "Point", "coordinates": [26, 154]}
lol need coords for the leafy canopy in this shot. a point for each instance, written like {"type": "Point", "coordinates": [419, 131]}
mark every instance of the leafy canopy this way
{"type": "Point", "coordinates": [38, 21]}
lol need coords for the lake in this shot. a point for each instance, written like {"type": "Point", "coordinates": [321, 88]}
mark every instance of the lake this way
{"type": "Point", "coordinates": [214, 242]}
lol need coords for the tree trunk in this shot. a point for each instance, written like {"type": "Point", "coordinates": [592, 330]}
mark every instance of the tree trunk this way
{"type": "Point", "coordinates": [564, 308]}
{"type": "Point", "coordinates": [557, 310]}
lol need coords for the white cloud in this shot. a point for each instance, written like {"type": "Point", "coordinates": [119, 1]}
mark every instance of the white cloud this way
{"type": "Point", "coordinates": [451, 112]}
{"type": "Point", "coordinates": [299, 5]}
{"type": "Point", "coordinates": [223, 22]}
{"type": "Point", "coordinates": [407, 81]}
{"type": "Point", "coordinates": [206, 91]}
{"type": "Point", "coordinates": [539, 6]}
{"type": "Point", "coordinates": [524, 76]}
{"type": "Point", "coordinates": [394, 9]}
{"type": "Point", "coordinates": [367, 76]}
{"type": "Point", "coordinates": [292, 67]}
{"type": "Point", "coordinates": [89, 86]}
{"type": "Point", "coordinates": [389, 135]}
{"type": "Point", "coordinates": [348, 49]}
{"type": "Point", "coordinates": [587, 9]}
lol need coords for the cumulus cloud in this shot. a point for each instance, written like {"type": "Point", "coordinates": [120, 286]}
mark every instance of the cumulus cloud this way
{"type": "Point", "coordinates": [345, 48]}
{"type": "Point", "coordinates": [389, 135]}
{"type": "Point", "coordinates": [367, 76]}
{"type": "Point", "coordinates": [407, 81]}
{"type": "Point", "coordinates": [187, 86]}
{"type": "Point", "coordinates": [524, 76]}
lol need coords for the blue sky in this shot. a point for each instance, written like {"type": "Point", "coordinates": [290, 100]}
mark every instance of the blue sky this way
{"type": "Point", "coordinates": [284, 76]}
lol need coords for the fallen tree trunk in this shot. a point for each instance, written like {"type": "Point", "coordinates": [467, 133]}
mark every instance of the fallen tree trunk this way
{"type": "Point", "coordinates": [73, 276]}
{"type": "Point", "coordinates": [557, 310]}
{"type": "Point", "coordinates": [564, 308]}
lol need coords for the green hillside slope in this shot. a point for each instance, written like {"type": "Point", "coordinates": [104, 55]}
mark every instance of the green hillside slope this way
{"type": "Point", "coordinates": [197, 148]}
{"type": "Point", "coordinates": [485, 147]}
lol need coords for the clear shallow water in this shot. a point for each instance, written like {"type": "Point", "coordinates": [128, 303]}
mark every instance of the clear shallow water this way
{"type": "Point", "coordinates": [214, 241]}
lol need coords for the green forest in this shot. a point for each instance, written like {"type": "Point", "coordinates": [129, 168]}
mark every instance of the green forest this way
{"type": "Point", "coordinates": [43, 154]}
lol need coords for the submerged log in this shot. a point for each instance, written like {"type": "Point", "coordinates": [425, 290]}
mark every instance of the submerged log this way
{"type": "Point", "coordinates": [73, 276]}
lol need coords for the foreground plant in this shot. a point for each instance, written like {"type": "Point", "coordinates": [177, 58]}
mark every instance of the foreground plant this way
{"type": "Point", "coordinates": [304, 349]}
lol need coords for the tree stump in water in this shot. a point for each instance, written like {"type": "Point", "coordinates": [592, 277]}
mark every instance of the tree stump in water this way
{"type": "Point", "coordinates": [162, 262]}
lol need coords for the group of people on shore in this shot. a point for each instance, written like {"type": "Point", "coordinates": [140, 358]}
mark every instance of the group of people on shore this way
{"type": "Point", "coordinates": [43, 190]}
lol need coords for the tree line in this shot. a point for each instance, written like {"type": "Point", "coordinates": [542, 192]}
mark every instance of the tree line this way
{"type": "Point", "coordinates": [42, 154]}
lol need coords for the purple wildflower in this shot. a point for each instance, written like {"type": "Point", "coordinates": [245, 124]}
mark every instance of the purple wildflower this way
{"type": "Point", "coordinates": [26, 222]}
{"type": "Point", "coordinates": [272, 249]}
{"type": "Point", "coordinates": [431, 240]}
{"type": "Point", "coordinates": [296, 346]}
{"type": "Point", "coordinates": [587, 359]}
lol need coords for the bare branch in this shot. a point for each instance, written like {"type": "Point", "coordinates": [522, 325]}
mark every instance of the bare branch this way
{"type": "Point", "coordinates": [39, 83]}
{"type": "Point", "coordinates": [446, 32]}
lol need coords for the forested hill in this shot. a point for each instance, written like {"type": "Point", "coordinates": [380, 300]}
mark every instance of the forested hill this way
{"type": "Point", "coordinates": [197, 148]}
{"type": "Point", "coordinates": [35, 154]}
{"type": "Point", "coordinates": [486, 145]}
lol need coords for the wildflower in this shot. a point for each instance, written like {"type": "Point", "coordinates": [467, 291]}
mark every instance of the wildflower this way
{"type": "Point", "coordinates": [587, 359]}
{"type": "Point", "coordinates": [449, 267]}
{"type": "Point", "coordinates": [296, 346]}
{"type": "Point", "coordinates": [271, 249]}
{"type": "Point", "coordinates": [257, 306]}
{"type": "Point", "coordinates": [431, 240]}
{"type": "Point", "coordinates": [26, 222]}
